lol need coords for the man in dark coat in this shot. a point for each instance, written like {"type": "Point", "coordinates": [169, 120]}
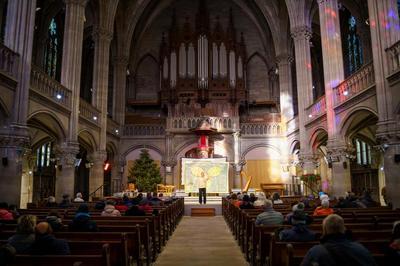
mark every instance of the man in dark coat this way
{"type": "Point", "coordinates": [299, 231]}
{"type": "Point", "coordinates": [46, 244]}
{"type": "Point", "coordinates": [82, 221]}
{"type": "Point", "coordinates": [336, 248]}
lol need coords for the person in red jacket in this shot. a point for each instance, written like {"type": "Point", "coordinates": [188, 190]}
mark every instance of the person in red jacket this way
{"type": "Point", "coordinates": [324, 209]}
{"type": "Point", "coordinates": [5, 214]}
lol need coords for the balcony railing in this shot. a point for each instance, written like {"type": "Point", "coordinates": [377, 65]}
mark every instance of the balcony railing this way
{"type": "Point", "coordinates": [8, 61]}
{"type": "Point", "coordinates": [112, 127]}
{"type": "Point", "coordinates": [50, 88]}
{"type": "Point", "coordinates": [89, 112]}
{"type": "Point", "coordinates": [357, 82]}
{"type": "Point", "coordinates": [222, 124]}
{"type": "Point", "coordinates": [393, 54]}
{"type": "Point", "coordinates": [317, 109]}
{"type": "Point", "coordinates": [144, 130]}
{"type": "Point", "coordinates": [254, 129]}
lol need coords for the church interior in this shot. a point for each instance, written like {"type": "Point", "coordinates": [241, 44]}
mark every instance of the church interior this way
{"type": "Point", "coordinates": [299, 97]}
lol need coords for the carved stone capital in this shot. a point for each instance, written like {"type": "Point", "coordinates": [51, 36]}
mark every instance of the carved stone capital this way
{"type": "Point", "coordinates": [14, 141]}
{"type": "Point", "coordinates": [66, 153]}
{"type": "Point", "coordinates": [283, 59]}
{"type": "Point", "coordinates": [169, 163]}
{"type": "Point", "coordinates": [102, 34]}
{"type": "Point", "coordinates": [301, 33]}
{"type": "Point", "coordinates": [121, 60]}
{"type": "Point", "coordinates": [98, 156]}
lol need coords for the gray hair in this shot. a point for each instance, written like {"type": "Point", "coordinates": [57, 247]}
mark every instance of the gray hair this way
{"type": "Point", "coordinates": [268, 203]}
{"type": "Point", "coordinates": [325, 203]}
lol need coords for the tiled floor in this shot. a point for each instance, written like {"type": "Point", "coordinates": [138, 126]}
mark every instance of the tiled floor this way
{"type": "Point", "coordinates": [201, 241]}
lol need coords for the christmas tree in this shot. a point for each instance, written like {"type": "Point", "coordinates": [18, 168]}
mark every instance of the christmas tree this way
{"type": "Point", "coordinates": [145, 173]}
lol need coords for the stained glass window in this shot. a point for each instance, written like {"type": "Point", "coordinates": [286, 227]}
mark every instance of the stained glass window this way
{"type": "Point", "coordinates": [52, 52]}
{"type": "Point", "coordinates": [43, 155]}
{"type": "Point", "coordinates": [351, 43]}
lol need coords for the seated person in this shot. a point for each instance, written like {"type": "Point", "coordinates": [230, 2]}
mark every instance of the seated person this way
{"type": "Point", "coordinates": [299, 231]}
{"type": "Point", "coordinates": [269, 216]}
{"type": "Point", "coordinates": [54, 220]}
{"type": "Point", "coordinates": [253, 197]}
{"type": "Point", "coordinates": [392, 253]}
{"type": "Point", "coordinates": [46, 244]}
{"type": "Point", "coordinates": [246, 203]}
{"type": "Point", "coordinates": [137, 199]}
{"type": "Point", "coordinates": [82, 221]}
{"type": "Point", "coordinates": [235, 201]}
{"type": "Point", "coordinates": [51, 202]}
{"type": "Point", "coordinates": [276, 198]}
{"type": "Point", "coordinates": [324, 209]}
{"type": "Point", "coordinates": [66, 202]}
{"type": "Point", "coordinates": [110, 210]}
{"type": "Point", "coordinates": [134, 211]}
{"type": "Point", "coordinates": [155, 201]}
{"type": "Point", "coordinates": [14, 210]}
{"type": "Point", "coordinates": [79, 198]}
{"type": "Point", "coordinates": [5, 214]}
{"type": "Point", "coordinates": [25, 234]}
{"type": "Point", "coordinates": [298, 207]}
{"type": "Point", "coordinates": [259, 203]}
{"type": "Point", "coordinates": [121, 206]}
{"type": "Point", "coordinates": [145, 206]}
{"type": "Point", "coordinates": [335, 248]}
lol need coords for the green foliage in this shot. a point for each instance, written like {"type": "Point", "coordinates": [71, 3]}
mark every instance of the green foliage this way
{"type": "Point", "coordinates": [310, 178]}
{"type": "Point", "coordinates": [145, 173]}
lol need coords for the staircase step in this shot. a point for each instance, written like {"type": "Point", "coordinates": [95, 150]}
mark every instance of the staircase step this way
{"type": "Point", "coordinates": [203, 212]}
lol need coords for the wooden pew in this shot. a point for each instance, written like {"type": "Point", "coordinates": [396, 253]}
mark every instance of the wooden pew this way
{"type": "Point", "coordinates": [102, 259]}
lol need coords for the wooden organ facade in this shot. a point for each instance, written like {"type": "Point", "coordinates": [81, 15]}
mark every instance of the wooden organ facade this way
{"type": "Point", "coordinates": [202, 68]}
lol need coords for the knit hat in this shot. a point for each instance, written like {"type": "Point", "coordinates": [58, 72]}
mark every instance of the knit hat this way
{"type": "Point", "coordinates": [299, 217]}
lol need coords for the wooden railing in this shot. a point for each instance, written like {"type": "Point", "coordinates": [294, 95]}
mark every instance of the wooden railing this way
{"type": "Point", "coordinates": [357, 82]}
{"type": "Point", "coordinates": [9, 61]}
{"type": "Point", "coordinates": [222, 124]}
{"type": "Point", "coordinates": [144, 130]}
{"type": "Point", "coordinates": [49, 87]}
{"type": "Point", "coordinates": [393, 55]}
{"type": "Point", "coordinates": [317, 109]}
{"type": "Point", "coordinates": [89, 112]}
{"type": "Point", "coordinates": [254, 129]}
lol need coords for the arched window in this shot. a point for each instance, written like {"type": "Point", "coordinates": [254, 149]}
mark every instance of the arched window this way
{"type": "Point", "coordinates": [53, 51]}
{"type": "Point", "coordinates": [3, 16]}
{"type": "Point", "coordinates": [351, 43]}
{"type": "Point", "coordinates": [43, 155]}
{"type": "Point", "coordinates": [363, 150]}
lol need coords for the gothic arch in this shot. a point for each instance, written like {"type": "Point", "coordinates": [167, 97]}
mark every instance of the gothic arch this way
{"type": "Point", "coordinates": [87, 140]}
{"type": "Point", "coordinates": [47, 122]}
{"type": "Point", "coordinates": [147, 74]}
{"type": "Point", "coordinates": [260, 145]}
{"type": "Point", "coordinates": [356, 120]}
{"type": "Point", "coordinates": [294, 146]}
{"type": "Point", "coordinates": [187, 145]}
{"type": "Point", "coordinates": [318, 137]}
{"type": "Point", "coordinates": [143, 146]}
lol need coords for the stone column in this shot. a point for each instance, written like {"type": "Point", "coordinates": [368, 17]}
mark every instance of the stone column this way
{"type": "Point", "coordinates": [285, 86]}
{"type": "Point", "coordinates": [96, 178]}
{"type": "Point", "coordinates": [14, 139]}
{"type": "Point", "coordinates": [384, 33]}
{"type": "Point", "coordinates": [301, 36]}
{"type": "Point", "coordinates": [71, 79]}
{"type": "Point", "coordinates": [237, 153]}
{"type": "Point", "coordinates": [334, 74]}
{"type": "Point", "coordinates": [341, 176]}
{"type": "Point", "coordinates": [120, 65]}
{"type": "Point", "coordinates": [72, 59]}
{"type": "Point", "coordinates": [65, 175]}
{"type": "Point", "coordinates": [169, 148]}
{"type": "Point", "coordinates": [391, 147]}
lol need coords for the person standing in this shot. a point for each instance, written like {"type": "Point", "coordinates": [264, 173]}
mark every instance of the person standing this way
{"type": "Point", "coordinates": [202, 183]}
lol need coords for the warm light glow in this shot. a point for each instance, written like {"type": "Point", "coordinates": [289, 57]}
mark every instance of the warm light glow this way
{"type": "Point", "coordinates": [106, 166]}
{"type": "Point", "coordinates": [345, 93]}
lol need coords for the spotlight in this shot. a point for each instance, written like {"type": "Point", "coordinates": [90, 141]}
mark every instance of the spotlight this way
{"type": "Point", "coordinates": [95, 118]}
{"type": "Point", "coordinates": [345, 93]}
{"type": "Point", "coordinates": [58, 96]}
{"type": "Point", "coordinates": [106, 166]}
{"type": "Point", "coordinates": [116, 131]}
{"type": "Point", "coordinates": [310, 115]}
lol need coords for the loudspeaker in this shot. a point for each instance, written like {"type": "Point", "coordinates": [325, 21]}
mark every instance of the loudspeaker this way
{"type": "Point", "coordinates": [397, 158]}
{"type": "Point", "coordinates": [4, 161]}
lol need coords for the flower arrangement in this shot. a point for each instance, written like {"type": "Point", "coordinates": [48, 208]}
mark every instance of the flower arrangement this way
{"type": "Point", "coordinates": [310, 178]}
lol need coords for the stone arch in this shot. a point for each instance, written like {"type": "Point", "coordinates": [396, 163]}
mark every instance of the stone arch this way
{"type": "Point", "coordinates": [143, 146]}
{"type": "Point", "coordinates": [147, 78]}
{"type": "Point", "coordinates": [294, 147]}
{"type": "Point", "coordinates": [357, 120]}
{"type": "Point", "coordinates": [87, 140]}
{"type": "Point", "coordinates": [318, 137]}
{"type": "Point", "coordinates": [260, 145]}
{"type": "Point", "coordinates": [45, 126]}
{"type": "Point", "coordinates": [257, 78]}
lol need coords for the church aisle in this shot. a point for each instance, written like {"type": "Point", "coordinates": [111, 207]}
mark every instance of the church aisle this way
{"type": "Point", "coordinates": [201, 241]}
